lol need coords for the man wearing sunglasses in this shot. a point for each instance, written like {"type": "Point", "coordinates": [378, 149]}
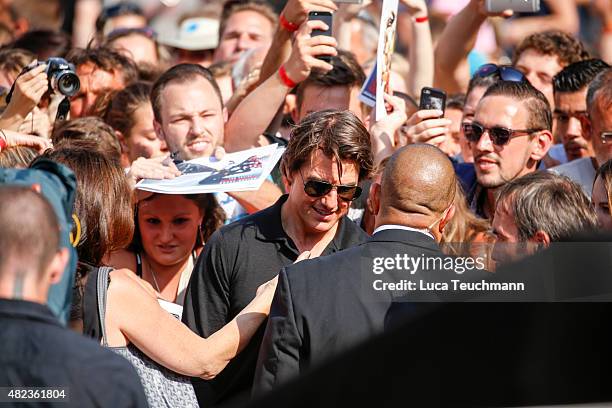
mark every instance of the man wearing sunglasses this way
{"type": "Point", "coordinates": [570, 87]}
{"type": "Point", "coordinates": [327, 156]}
{"type": "Point", "coordinates": [324, 306]}
{"type": "Point", "coordinates": [510, 134]}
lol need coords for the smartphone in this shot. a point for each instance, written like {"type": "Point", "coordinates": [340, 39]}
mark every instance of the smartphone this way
{"type": "Point", "coordinates": [327, 18]}
{"type": "Point", "coordinates": [432, 98]}
{"type": "Point", "coordinates": [519, 6]}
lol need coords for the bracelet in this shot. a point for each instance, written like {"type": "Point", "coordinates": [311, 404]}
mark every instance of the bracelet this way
{"type": "Point", "coordinates": [285, 78]}
{"type": "Point", "coordinates": [287, 25]}
{"type": "Point", "coordinates": [421, 19]}
{"type": "Point", "coordinates": [3, 142]}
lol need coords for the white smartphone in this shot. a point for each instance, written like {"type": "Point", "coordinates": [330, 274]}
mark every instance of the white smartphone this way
{"type": "Point", "coordinates": [519, 6]}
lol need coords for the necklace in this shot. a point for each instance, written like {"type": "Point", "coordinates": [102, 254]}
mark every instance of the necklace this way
{"type": "Point", "coordinates": [153, 274]}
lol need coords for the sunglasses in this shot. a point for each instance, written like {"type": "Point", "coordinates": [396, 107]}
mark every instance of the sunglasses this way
{"type": "Point", "coordinates": [120, 9]}
{"type": "Point", "coordinates": [499, 135]}
{"type": "Point", "coordinates": [505, 72]}
{"type": "Point", "coordinates": [317, 188]}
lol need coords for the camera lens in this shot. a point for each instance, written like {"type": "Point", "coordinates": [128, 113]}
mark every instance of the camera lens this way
{"type": "Point", "coordinates": [68, 83]}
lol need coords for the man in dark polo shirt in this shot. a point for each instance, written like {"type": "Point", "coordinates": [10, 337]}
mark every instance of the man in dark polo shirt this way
{"type": "Point", "coordinates": [327, 156]}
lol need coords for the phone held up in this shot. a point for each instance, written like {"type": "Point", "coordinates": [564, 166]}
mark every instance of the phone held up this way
{"type": "Point", "coordinates": [432, 98]}
{"type": "Point", "coordinates": [327, 18]}
{"type": "Point", "coordinates": [518, 6]}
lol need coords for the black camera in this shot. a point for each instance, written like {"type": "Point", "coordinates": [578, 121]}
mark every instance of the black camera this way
{"type": "Point", "coordinates": [61, 76]}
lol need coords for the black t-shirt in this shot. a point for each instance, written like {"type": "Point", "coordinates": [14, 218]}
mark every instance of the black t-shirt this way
{"type": "Point", "coordinates": [237, 259]}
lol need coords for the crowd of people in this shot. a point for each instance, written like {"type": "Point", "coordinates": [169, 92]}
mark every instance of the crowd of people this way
{"type": "Point", "coordinates": [221, 296]}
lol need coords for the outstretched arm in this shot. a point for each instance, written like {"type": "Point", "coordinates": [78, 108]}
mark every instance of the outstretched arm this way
{"type": "Point", "coordinates": [455, 43]}
{"type": "Point", "coordinates": [256, 111]}
{"type": "Point", "coordinates": [133, 309]}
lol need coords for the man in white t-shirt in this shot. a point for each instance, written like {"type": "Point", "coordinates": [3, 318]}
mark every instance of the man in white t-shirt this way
{"type": "Point", "coordinates": [570, 92]}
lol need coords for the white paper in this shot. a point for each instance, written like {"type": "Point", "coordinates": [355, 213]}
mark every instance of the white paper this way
{"type": "Point", "coordinates": [239, 171]}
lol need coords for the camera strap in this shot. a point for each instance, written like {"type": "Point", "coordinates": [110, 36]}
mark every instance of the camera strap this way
{"type": "Point", "coordinates": [62, 111]}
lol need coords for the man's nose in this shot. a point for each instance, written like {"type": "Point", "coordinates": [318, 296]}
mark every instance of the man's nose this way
{"type": "Point", "coordinates": [244, 42]}
{"type": "Point", "coordinates": [574, 127]}
{"type": "Point", "coordinates": [484, 144]}
{"type": "Point", "coordinates": [330, 200]}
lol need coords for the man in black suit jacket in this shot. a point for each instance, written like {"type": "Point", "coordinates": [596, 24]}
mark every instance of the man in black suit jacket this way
{"type": "Point", "coordinates": [324, 306]}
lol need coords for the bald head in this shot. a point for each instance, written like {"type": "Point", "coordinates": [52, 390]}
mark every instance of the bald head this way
{"type": "Point", "coordinates": [418, 180]}
{"type": "Point", "coordinates": [29, 236]}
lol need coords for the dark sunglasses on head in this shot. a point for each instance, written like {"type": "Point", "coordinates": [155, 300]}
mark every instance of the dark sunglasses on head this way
{"type": "Point", "coordinates": [318, 188]}
{"type": "Point", "coordinates": [505, 72]}
{"type": "Point", "coordinates": [499, 135]}
{"type": "Point", "coordinates": [120, 9]}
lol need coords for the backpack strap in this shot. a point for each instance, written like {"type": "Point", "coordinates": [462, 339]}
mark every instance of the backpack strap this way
{"type": "Point", "coordinates": [101, 291]}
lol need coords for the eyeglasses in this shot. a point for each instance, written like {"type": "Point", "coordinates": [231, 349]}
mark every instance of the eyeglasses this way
{"type": "Point", "coordinates": [606, 137]}
{"type": "Point", "coordinates": [317, 188]}
{"type": "Point", "coordinates": [505, 72]}
{"type": "Point", "coordinates": [499, 135]}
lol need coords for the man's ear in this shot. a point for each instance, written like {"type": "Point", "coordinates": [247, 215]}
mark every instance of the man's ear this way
{"type": "Point", "coordinates": [585, 123]}
{"type": "Point", "coordinates": [159, 132]}
{"type": "Point", "coordinates": [542, 143]}
{"type": "Point", "coordinates": [541, 237]}
{"type": "Point", "coordinates": [122, 142]}
{"type": "Point", "coordinates": [374, 198]}
{"type": "Point", "coordinates": [57, 265]}
{"type": "Point", "coordinates": [287, 181]}
{"type": "Point", "coordinates": [446, 218]}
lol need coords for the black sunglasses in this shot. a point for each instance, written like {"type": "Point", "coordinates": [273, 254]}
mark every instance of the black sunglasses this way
{"type": "Point", "coordinates": [499, 135]}
{"type": "Point", "coordinates": [505, 72]}
{"type": "Point", "coordinates": [120, 9]}
{"type": "Point", "coordinates": [317, 188]}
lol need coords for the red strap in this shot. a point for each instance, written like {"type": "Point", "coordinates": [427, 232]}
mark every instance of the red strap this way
{"type": "Point", "coordinates": [288, 25]}
{"type": "Point", "coordinates": [421, 19]}
{"type": "Point", "coordinates": [285, 78]}
{"type": "Point", "coordinates": [3, 143]}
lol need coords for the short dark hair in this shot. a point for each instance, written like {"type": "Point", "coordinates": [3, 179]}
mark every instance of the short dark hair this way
{"type": "Point", "coordinates": [455, 101]}
{"type": "Point", "coordinates": [563, 45]}
{"type": "Point", "coordinates": [231, 7]}
{"type": "Point", "coordinates": [90, 128]}
{"type": "Point", "coordinates": [481, 82]}
{"type": "Point", "coordinates": [600, 88]}
{"type": "Point", "coordinates": [103, 203]}
{"type": "Point", "coordinates": [30, 233]}
{"type": "Point", "coordinates": [540, 116]}
{"type": "Point", "coordinates": [179, 74]}
{"type": "Point", "coordinates": [44, 43]}
{"type": "Point", "coordinates": [544, 201]}
{"type": "Point", "coordinates": [338, 134]}
{"type": "Point", "coordinates": [123, 8]}
{"type": "Point", "coordinates": [346, 72]}
{"type": "Point", "coordinates": [107, 60]}
{"type": "Point", "coordinates": [578, 75]}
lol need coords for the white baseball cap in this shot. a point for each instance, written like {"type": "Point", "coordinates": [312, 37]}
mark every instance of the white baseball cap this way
{"type": "Point", "coordinates": [195, 34]}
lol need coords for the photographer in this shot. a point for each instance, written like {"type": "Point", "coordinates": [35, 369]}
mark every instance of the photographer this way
{"type": "Point", "coordinates": [22, 113]}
